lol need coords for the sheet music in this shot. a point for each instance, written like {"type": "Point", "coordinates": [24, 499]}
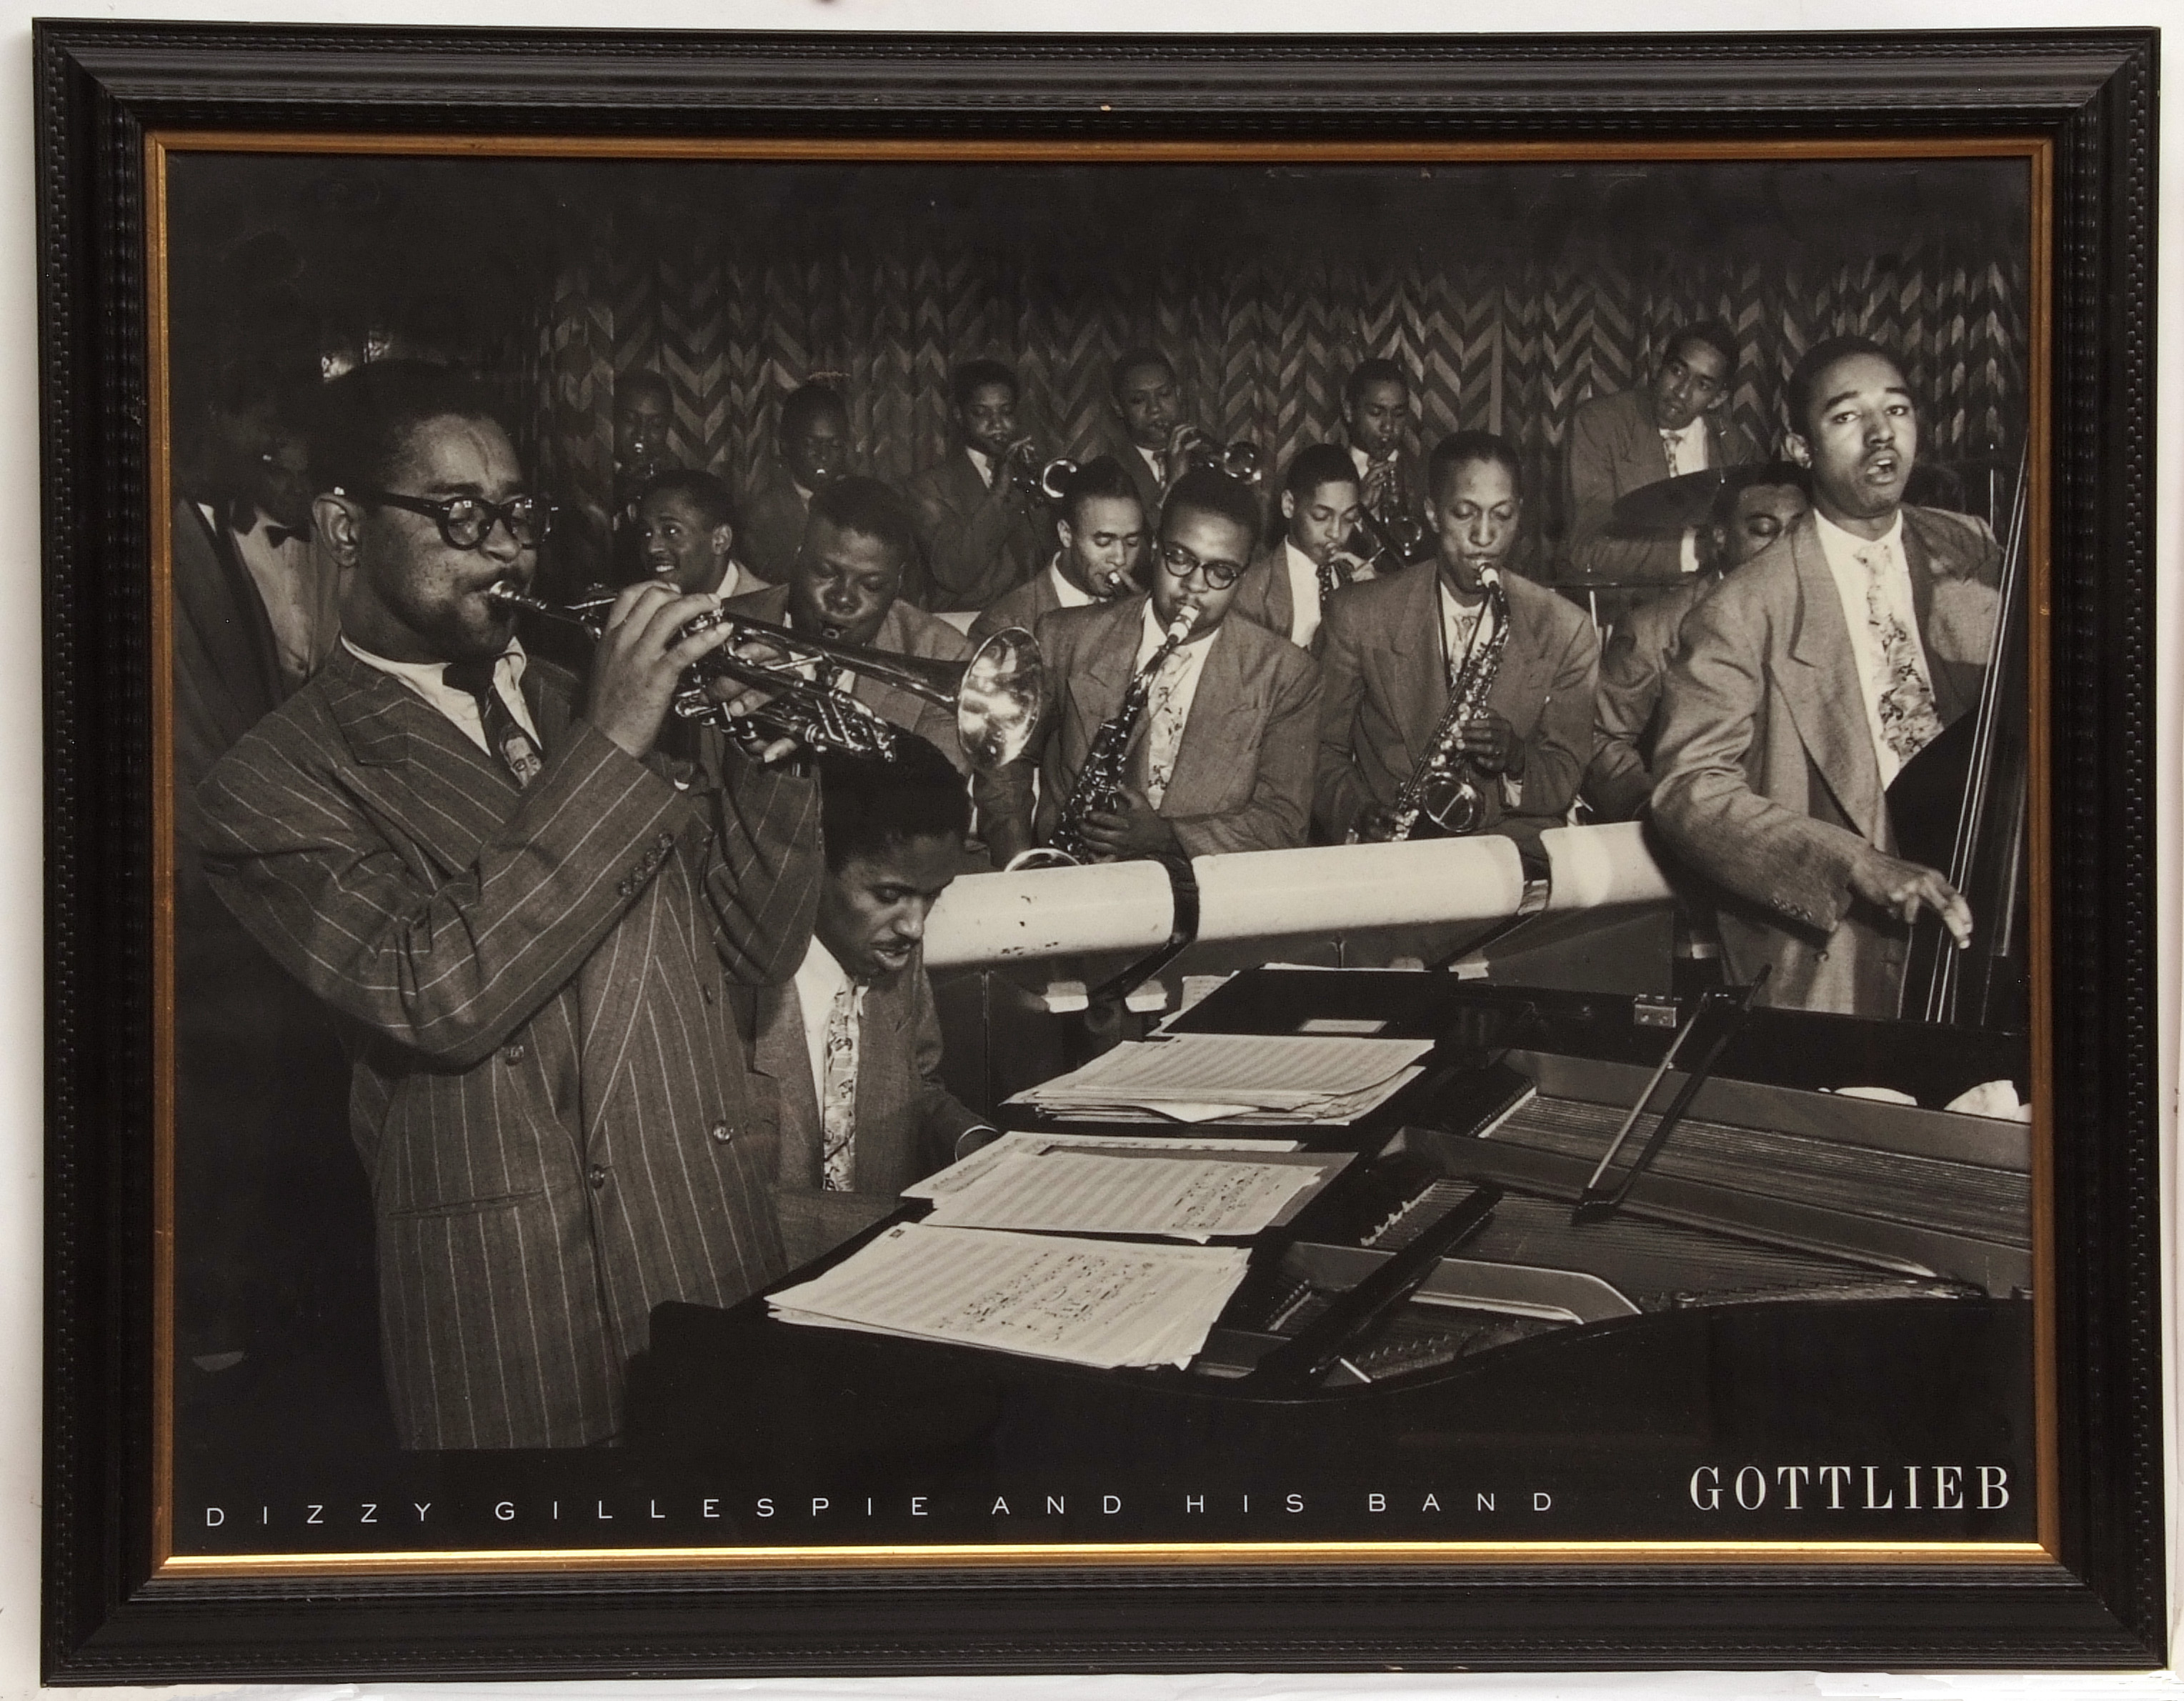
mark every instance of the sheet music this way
{"type": "Point", "coordinates": [966, 1170]}
{"type": "Point", "coordinates": [1095, 1302]}
{"type": "Point", "coordinates": [1200, 1076]}
{"type": "Point", "coordinates": [1085, 1192]}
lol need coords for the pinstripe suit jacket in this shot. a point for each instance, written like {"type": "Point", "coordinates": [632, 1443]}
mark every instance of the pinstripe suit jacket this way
{"type": "Point", "coordinates": [548, 1090]}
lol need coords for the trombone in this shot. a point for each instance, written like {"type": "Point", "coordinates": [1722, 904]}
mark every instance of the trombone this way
{"type": "Point", "coordinates": [996, 696]}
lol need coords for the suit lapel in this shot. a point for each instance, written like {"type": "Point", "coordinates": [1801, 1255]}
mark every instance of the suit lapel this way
{"type": "Point", "coordinates": [1217, 735]}
{"type": "Point", "coordinates": [443, 791]}
{"type": "Point", "coordinates": [1822, 688]}
{"type": "Point", "coordinates": [1418, 682]}
{"type": "Point", "coordinates": [883, 1066]}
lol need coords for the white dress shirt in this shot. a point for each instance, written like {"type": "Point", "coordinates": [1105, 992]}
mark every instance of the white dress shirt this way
{"type": "Point", "coordinates": [983, 464]}
{"type": "Point", "coordinates": [1840, 548]}
{"type": "Point", "coordinates": [819, 978]}
{"type": "Point", "coordinates": [1157, 461]}
{"type": "Point", "coordinates": [1304, 595]}
{"type": "Point", "coordinates": [1065, 592]}
{"type": "Point", "coordinates": [301, 601]}
{"type": "Point", "coordinates": [428, 679]}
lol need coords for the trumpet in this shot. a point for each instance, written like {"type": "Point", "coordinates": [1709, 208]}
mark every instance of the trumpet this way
{"type": "Point", "coordinates": [996, 696]}
{"type": "Point", "coordinates": [1246, 462]}
{"type": "Point", "coordinates": [1048, 481]}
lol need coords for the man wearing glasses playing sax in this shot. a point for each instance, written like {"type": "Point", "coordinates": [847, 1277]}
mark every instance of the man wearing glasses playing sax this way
{"type": "Point", "coordinates": [1172, 729]}
{"type": "Point", "coordinates": [526, 929]}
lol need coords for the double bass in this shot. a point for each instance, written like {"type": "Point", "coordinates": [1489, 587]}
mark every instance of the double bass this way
{"type": "Point", "coordinates": [1959, 806]}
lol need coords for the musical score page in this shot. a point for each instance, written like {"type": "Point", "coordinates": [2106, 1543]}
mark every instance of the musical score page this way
{"type": "Point", "coordinates": [1104, 1304]}
{"type": "Point", "coordinates": [1193, 1077]}
{"type": "Point", "coordinates": [1177, 1198]}
{"type": "Point", "coordinates": [966, 1170]}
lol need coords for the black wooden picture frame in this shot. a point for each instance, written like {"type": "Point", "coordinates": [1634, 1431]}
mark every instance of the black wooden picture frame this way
{"type": "Point", "coordinates": [110, 1616]}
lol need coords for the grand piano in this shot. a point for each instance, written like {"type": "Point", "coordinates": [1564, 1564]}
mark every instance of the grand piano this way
{"type": "Point", "coordinates": [1810, 1320]}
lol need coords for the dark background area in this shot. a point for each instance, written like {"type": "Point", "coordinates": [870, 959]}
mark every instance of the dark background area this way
{"type": "Point", "coordinates": [1511, 292]}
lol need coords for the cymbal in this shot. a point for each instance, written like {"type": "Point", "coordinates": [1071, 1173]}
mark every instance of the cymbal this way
{"type": "Point", "coordinates": [1667, 506]}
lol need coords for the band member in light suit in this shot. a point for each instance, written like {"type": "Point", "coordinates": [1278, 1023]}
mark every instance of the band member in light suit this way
{"type": "Point", "coordinates": [1387, 651]}
{"type": "Point", "coordinates": [1293, 577]}
{"type": "Point", "coordinates": [1221, 759]}
{"type": "Point", "coordinates": [1757, 503]}
{"type": "Point", "coordinates": [979, 531]}
{"type": "Point", "coordinates": [1807, 680]}
{"type": "Point", "coordinates": [1102, 533]}
{"type": "Point", "coordinates": [853, 1039]}
{"type": "Point", "coordinates": [524, 929]}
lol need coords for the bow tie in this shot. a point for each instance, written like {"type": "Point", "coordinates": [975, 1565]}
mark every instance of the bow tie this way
{"type": "Point", "coordinates": [275, 536]}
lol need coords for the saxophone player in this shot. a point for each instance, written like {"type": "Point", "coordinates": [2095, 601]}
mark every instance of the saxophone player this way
{"type": "Point", "coordinates": [1389, 651]}
{"type": "Point", "coordinates": [1214, 745]}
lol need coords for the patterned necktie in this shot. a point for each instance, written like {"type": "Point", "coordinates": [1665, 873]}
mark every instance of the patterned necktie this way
{"type": "Point", "coordinates": [837, 1092]}
{"type": "Point", "coordinates": [1466, 629]}
{"type": "Point", "coordinates": [1164, 736]}
{"type": "Point", "coordinates": [504, 733]}
{"type": "Point", "coordinates": [1675, 446]}
{"type": "Point", "coordinates": [1908, 720]}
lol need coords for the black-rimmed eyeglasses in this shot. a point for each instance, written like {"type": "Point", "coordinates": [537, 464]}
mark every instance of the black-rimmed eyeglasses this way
{"type": "Point", "coordinates": [1181, 564]}
{"type": "Point", "coordinates": [466, 521]}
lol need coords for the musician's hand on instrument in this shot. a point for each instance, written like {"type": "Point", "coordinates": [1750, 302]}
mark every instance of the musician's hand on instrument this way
{"type": "Point", "coordinates": [1180, 442]}
{"type": "Point", "coordinates": [1490, 743]}
{"type": "Point", "coordinates": [1135, 829]}
{"type": "Point", "coordinates": [1903, 888]}
{"type": "Point", "coordinates": [1378, 483]}
{"type": "Point", "coordinates": [1376, 825]}
{"type": "Point", "coordinates": [641, 657]}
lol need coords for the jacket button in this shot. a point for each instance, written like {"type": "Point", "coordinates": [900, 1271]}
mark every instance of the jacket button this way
{"type": "Point", "coordinates": [597, 1175]}
{"type": "Point", "coordinates": [512, 1054]}
{"type": "Point", "coordinates": [721, 1133]}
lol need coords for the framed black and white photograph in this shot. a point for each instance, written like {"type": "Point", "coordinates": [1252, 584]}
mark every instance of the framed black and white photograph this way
{"type": "Point", "coordinates": [1097, 853]}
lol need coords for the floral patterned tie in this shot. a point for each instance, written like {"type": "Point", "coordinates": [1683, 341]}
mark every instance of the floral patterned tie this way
{"type": "Point", "coordinates": [1908, 720]}
{"type": "Point", "coordinates": [837, 1093]}
{"type": "Point", "coordinates": [1164, 735]}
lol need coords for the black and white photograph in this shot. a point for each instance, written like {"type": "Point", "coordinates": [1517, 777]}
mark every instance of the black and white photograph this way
{"type": "Point", "coordinates": [928, 855]}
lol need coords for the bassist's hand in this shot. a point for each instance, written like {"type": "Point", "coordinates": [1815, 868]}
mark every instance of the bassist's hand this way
{"type": "Point", "coordinates": [1903, 888]}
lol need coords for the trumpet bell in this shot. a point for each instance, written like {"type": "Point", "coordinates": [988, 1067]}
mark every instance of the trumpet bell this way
{"type": "Point", "coordinates": [999, 698]}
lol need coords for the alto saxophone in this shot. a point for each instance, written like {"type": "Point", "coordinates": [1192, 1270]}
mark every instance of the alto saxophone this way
{"type": "Point", "coordinates": [1445, 787]}
{"type": "Point", "coordinates": [1099, 786]}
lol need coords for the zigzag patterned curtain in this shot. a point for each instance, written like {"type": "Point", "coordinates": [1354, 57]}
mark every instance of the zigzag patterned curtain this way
{"type": "Point", "coordinates": [1261, 340]}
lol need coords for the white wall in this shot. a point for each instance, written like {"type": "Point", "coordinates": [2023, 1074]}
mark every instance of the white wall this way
{"type": "Point", "coordinates": [21, 1166]}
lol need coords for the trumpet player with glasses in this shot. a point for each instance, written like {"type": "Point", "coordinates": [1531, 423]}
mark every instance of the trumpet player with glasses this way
{"type": "Point", "coordinates": [1459, 701]}
{"type": "Point", "coordinates": [1315, 556]}
{"type": "Point", "coordinates": [979, 525]}
{"type": "Point", "coordinates": [524, 927]}
{"type": "Point", "coordinates": [1172, 727]}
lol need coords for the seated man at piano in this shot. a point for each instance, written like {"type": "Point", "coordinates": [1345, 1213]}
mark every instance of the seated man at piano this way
{"type": "Point", "coordinates": [1173, 728]}
{"type": "Point", "coordinates": [1392, 651]}
{"type": "Point", "coordinates": [1808, 680]}
{"type": "Point", "coordinates": [845, 585]}
{"type": "Point", "coordinates": [1672, 426]}
{"type": "Point", "coordinates": [1101, 530]}
{"type": "Point", "coordinates": [1294, 575]}
{"type": "Point", "coordinates": [1756, 504]}
{"type": "Point", "coordinates": [852, 1043]}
